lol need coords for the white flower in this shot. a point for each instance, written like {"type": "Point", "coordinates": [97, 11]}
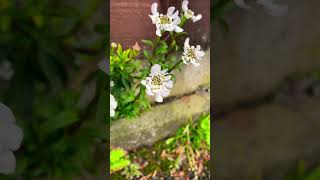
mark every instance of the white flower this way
{"type": "Point", "coordinates": [167, 22]}
{"type": "Point", "coordinates": [158, 83]}
{"type": "Point", "coordinates": [113, 105]}
{"type": "Point", "coordinates": [104, 66]}
{"type": "Point", "coordinates": [192, 54]}
{"type": "Point", "coordinates": [6, 71]}
{"type": "Point", "coordinates": [111, 83]}
{"type": "Point", "coordinates": [188, 13]}
{"type": "Point", "coordinates": [10, 140]}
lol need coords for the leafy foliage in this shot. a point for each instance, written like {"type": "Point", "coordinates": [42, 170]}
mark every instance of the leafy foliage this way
{"type": "Point", "coordinates": [119, 161]}
{"type": "Point", "coordinates": [301, 173]}
{"type": "Point", "coordinates": [40, 38]}
{"type": "Point", "coordinates": [129, 67]}
{"type": "Point", "coordinates": [190, 139]}
{"type": "Point", "coordinates": [197, 135]}
{"type": "Point", "coordinates": [218, 9]}
{"type": "Point", "coordinates": [126, 72]}
{"type": "Point", "coordinates": [179, 156]}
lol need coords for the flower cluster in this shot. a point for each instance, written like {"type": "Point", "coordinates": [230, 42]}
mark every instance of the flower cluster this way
{"type": "Point", "coordinates": [113, 102]}
{"type": "Point", "coordinates": [132, 81]}
{"type": "Point", "coordinates": [192, 54]}
{"type": "Point", "coordinates": [158, 83]}
{"type": "Point", "coordinates": [167, 22]}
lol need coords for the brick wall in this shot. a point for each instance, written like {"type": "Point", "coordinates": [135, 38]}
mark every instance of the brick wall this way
{"type": "Point", "coordinates": [130, 22]}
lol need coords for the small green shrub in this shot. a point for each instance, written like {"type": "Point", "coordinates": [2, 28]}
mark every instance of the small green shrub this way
{"type": "Point", "coordinates": [119, 161]}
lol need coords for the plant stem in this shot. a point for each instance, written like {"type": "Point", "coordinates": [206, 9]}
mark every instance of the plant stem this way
{"type": "Point", "coordinates": [174, 66]}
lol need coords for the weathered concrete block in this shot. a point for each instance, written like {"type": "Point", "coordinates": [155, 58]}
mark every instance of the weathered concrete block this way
{"type": "Point", "coordinates": [158, 122]}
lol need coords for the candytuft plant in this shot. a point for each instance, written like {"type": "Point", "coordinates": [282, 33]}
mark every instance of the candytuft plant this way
{"type": "Point", "coordinates": [138, 74]}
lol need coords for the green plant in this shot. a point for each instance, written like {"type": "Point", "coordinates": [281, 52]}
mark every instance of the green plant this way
{"type": "Point", "coordinates": [191, 139]}
{"type": "Point", "coordinates": [119, 161]}
{"type": "Point", "coordinates": [58, 142]}
{"type": "Point", "coordinates": [218, 10]}
{"type": "Point", "coordinates": [301, 173]}
{"type": "Point", "coordinates": [125, 69]}
{"type": "Point", "coordinates": [40, 38]}
{"type": "Point", "coordinates": [132, 171]}
{"type": "Point", "coordinates": [137, 72]}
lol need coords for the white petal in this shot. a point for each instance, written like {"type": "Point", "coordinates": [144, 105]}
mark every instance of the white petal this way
{"type": "Point", "coordinates": [165, 93]}
{"type": "Point", "coordinates": [143, 82]}
{"type": "Point", "coordinates": [164, 71]}
{"type": "Point", "coordinates": [186, 42]}
{"type": "Point", "coordinates": [178, 29]}
{"type": "Point", "coordinates": [112, 113]}
{"type": "Point", "coordinates": [159, 98]}
{"type": "Point", "coordinates": [176, 21]}
{"type": "Point", "coordinates": [195, 64]}
{"type": "Point", "coordinates": [153, 19]}
{"type": "Point", "coordinates": [169, 84]}
{"type": "Point", "coordinates": [201, 53]}
{"type": "Point", "coordinates": [155, 69]}
{"type": "Point", "coordinates": [184, 61]}
{"type": "Point", "coordinates": [104, 66]}
{"type": "Point", "coordinates": [10, 136]}
{"type": "Point", "coordinates": [158, 32]}
{"type": "Point", "coordinates": [149, 92]}
{"type": "Point", "coordinates": [175, 15]}
{"type": "Point", "coordinates": [6, 114]}
{"type": "Point", "coordinates": [185, 5]}
{"type": "Point", "coordinates": [170, 28]}
{"type": "Point", "coordinates": [113, 102]}
{"type": "Point", "coordinates": [7, 162]}
{"type": "Point", "coordinates": [198, 47]}
{"type": "Point", "coordinates": [154, 8]}
{"type": "Point", "coordinates": [168, 77]}
{"type": "Point", "coordinates": [196, 18]}
{"type": "Point", "coordinates": [170, 10]}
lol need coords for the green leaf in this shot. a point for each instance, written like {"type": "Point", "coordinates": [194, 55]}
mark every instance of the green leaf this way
{"type": "Point", "coordinates": [61, 120]}
{"type": "Point", "coordinates": [120, 164]}
{"type": "Point", "coordinates": [146, 54]}
{"type": "Point", "coordinates": [148, 42]}
{"type": "Point", "coordinates": [5, 23]}
{"type": "Point", "coordinates": [117, 154]}
{"type": "Point", "coordinates": [314, 175]}
{"type": "Point", "coordinates": [161, 50]}
{"type": "Point", "coordinates": [169, 141]}
{"type": "Point", "coordinates": [118, 160]}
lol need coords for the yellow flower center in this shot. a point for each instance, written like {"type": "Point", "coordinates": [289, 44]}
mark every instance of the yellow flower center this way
{"type": "Point", "coordinates": [164, 19]}
{"type": "Point", "coordinates": [189, 13]}
{"type": "Point", "coordinates": [191, 54]}
{"type": "Point", "coordinates": [157, 80]}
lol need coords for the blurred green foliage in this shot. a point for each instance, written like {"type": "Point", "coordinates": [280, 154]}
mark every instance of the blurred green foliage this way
{"type": "Point", "coordinates": [218, 10]}
{"type": "Point", "coordinates": [302, 173]}
{"type": "Point", "coordinates": [43, 40]}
